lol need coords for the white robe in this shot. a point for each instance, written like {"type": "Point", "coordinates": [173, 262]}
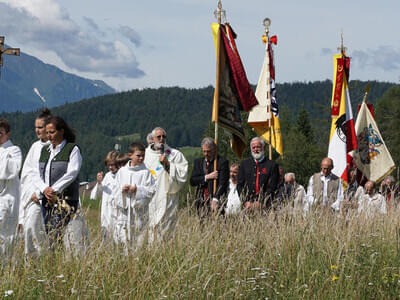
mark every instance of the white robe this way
{"type": "Point", "coordinates": [233, 203]}
{"type": "Point", "coordinates": [104, 190]}
{"type": "Point", "coordinates": [10, 165]}
{"type": "Point", "coordinates": [132, 210]}
{"type": "Point", "coordinates": [371, 205]}
{"type": "Point", "coordinates": [163, 207]}
{"type": "Point", "coordinates": [299, 196]}
{"type": "Point", "coordinates": [30, 213]}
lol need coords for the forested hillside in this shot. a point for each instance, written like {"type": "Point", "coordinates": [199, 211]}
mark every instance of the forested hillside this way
{"type": "Point", "coordinates": [185, 114]}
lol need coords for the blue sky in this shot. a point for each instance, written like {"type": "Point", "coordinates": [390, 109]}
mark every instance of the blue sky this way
{"type": "Point", "coordinates": [137, 44]}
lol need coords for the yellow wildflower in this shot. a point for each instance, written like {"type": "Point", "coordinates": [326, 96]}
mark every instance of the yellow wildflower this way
{"type": "Point", "coordinates": [334, 278]}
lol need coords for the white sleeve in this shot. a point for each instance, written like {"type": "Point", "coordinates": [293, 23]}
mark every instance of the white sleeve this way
{"type": "Point", "coordinates": [10, 162]}
{"type": "Point", "coordinates": [120, 198]}
{"type": "Point", "coordinates": [309, 198]}
{"type": "Point", "coordinates": [383, 209]}
{"type": "Point", "coordinates": [145, 190]}
{"type": "Point", "coordinates": [178, 171]}
{"type": "Point", "coordinates": [339, 197]}
{"type": "Point", "coordinates": [96, 192]}
{"type": "Point", "coordinates": [74, 166]}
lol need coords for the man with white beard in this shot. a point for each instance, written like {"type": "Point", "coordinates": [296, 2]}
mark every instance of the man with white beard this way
{"type": "Point", "coordinates": [258, 177]}
{"type": "Point", "coordinates": [169, 168]}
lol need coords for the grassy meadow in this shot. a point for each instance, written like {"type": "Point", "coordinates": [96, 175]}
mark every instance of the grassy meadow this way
{"type": "Point", "coordinates": [277, 256]}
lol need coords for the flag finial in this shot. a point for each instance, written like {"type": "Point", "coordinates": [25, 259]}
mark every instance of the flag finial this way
{"type": "Point", "coordinates": [366, 92]}
{"type": "Point", "coordinates": [267, 23]}
{"type": "Point", "coordinates": [220, 13]}
{"type": "Point", "coordinates": [342, 48]}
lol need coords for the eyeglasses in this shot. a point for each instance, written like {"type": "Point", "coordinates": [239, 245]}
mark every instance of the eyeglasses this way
{"type": "Point", "coordinates": [161, 136]}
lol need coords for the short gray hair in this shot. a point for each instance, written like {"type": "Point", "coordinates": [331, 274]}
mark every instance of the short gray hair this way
{"type": "Point", "coordinates": [259, 140]}
{"type": "Point", "coordinates": [208, 142]}
{"type": "Point", "coordinates": [149, 138]}
{"type": "Point", "coordinates": [290, 174]}
{"type": "Point", "coordinates": [153, 132]}
{"type": "Point", "coordinates": [391, 178]}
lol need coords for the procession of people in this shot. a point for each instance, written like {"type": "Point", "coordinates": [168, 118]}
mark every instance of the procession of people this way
{"type": "Point", "coordinates": [140, 193]}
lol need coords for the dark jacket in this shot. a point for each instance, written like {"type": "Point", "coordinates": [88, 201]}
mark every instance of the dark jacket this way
{"type": "Point", "coordinates": [268, 180]}
{"type": "Point", "coordinates": [198, 173]}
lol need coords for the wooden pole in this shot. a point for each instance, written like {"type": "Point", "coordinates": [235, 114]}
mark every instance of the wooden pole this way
{"type": "Point", "coordinates": [219, 13]}
{"type": "Point", "coordinates": [267, 23]}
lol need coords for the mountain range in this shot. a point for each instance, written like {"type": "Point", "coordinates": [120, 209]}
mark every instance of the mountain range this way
{"type": "Point", "coordinates": [27, 83]}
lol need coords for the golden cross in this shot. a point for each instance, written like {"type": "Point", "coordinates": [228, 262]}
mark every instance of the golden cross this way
{"type": "Point", "coordinates": [8, 51]}
{"type": "Point", "coordinates": [220, 13]}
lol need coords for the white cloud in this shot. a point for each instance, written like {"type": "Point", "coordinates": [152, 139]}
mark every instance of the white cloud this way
{"type": "Point", "coordinates": [131, 35]}
{"type": "Point", "coordinates": [45, 25]}
{"type": "Point", "coordinates": [386, 58]}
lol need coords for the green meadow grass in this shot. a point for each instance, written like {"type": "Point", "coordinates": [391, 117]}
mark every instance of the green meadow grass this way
{"type": "Point", "coordinates": [277, 256]}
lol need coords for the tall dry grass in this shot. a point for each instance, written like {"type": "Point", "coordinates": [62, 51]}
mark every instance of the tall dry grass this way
{"type": "Point", "coordinates": [280, 255]}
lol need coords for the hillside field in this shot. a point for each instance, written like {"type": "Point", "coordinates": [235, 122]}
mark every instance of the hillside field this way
{"type": "Point", "coordinates": [276, 256]}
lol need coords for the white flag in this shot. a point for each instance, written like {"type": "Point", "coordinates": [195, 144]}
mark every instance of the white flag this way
{"type": "Point", "coordinates": [372, 156]}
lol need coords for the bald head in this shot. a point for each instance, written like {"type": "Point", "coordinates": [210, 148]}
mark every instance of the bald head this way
{"type": "Point", "coordinates": [326, 166]}
{"type": "Point", "coordinates": [370, 187]}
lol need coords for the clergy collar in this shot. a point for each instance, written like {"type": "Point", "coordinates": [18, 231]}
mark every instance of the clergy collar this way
{"type": "Point", "coordinates": [166, 147]}
{"type": "Point", "coordinates": [7, 144]}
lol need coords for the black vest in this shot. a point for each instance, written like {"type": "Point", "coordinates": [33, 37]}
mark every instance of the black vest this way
{"type": "Point", "coordinates": [58, 167]}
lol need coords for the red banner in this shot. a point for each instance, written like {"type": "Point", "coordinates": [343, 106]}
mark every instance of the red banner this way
{"type": "Point", "coordinates": [337, 94]}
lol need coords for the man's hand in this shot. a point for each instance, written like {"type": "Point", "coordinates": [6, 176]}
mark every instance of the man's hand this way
{"type": "Point", "coordinates": [49, 193]}
{"type": "Point", "coordinates": [212, 175]}
{"type": "Point", "coordinates": [125, 188]}
{"type": "Point", "coordinates": [132, 189]}
{"type": "Point", "coordinates": [252, 205]}
{"type": "Point", "coordinates": [164, 161]}
{"type": "Point", "coordinates": [214, 206]}
{"type": "Point", "coordinates": [34, 198]}
{"type": "Point", "coordinates": [100, 177]}
{"type": "Point", "coordinates": [248, 205]}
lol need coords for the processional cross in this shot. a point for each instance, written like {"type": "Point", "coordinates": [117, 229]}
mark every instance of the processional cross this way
{"type": "Point", "coordinates": [8, 51]}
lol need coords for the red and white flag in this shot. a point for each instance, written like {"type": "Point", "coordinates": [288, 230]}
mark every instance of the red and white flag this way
{"type": "Point", "coordinates": [343, 138]}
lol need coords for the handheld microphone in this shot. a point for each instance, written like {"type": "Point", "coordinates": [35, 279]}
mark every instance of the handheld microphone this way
{"type": "Point", "coordinates": [162, 148]}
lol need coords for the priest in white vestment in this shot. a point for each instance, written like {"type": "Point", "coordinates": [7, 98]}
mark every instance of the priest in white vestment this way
{"type": "Point", "coordinates": [10, 165]}
{"type": "Point", "coordinates": [170, 169]}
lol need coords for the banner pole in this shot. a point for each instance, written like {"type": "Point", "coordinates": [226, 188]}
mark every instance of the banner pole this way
{"type": "Point", "coordinates": [219, 13]}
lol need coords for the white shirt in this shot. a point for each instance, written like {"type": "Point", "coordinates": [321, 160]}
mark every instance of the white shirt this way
{"type": "Point", "coordinates": [233, 204]}
{"type": "Point", "coordinates": [74, 166]}
{"type": "Point", "coordinates": [310, 193]}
